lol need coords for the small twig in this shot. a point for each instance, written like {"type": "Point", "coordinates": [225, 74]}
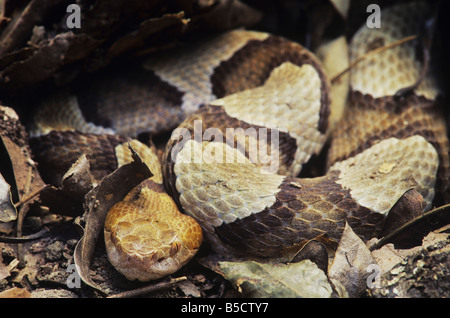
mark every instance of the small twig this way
{"type": "Point", "coordinates": [31, 196]}
{"type": "Point", "coordinates": [24, 239]}
{"type": "Point", "coordinates": [23, 210]}
{"type": "Point", "coordinates": [148, 289]}
{"type": "Point", "coordinates": [371, 53]}
{"type": "Point", "coordinates": [405, 226]}
{"type": "Point", "coordinates": [443, 229]}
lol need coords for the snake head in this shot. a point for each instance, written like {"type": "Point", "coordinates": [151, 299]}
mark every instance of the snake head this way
{"type": "Point", "coordinates": [146, 242]}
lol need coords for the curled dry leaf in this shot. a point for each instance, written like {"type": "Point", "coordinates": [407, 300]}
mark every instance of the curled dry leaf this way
{"type": "Point", "coordinates": [112, 189]}
{"type": "Point", "coordinates": [405, 233]}
{"type": "Point", "coordinates": [409, 207]}
{"type": "Point", "coordinates": [17, 167]}
{"type": "Point", "coordinates": [352, 263]}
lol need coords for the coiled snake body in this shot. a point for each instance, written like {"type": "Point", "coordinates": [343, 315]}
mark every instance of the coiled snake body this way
{"type": "Point", "coordinates": [252, 109]}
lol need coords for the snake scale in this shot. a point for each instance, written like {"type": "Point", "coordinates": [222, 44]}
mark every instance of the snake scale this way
{"type": "Point", "coordinates": [250, 109]}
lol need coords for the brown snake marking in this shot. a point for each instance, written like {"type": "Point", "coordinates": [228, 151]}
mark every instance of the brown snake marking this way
{"type": "Point", "coordinates": [383, 147]}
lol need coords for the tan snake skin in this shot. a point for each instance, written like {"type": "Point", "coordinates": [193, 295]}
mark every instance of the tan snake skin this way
{"type": "Point", "coordinates": [251, 110]}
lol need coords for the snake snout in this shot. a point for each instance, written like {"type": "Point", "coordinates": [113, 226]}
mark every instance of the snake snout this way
{"type": "Point", "coordinates": [142, 241]}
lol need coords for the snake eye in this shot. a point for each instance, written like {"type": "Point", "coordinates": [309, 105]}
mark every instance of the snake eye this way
{"type": "Point", "coordinates": [175, 247]}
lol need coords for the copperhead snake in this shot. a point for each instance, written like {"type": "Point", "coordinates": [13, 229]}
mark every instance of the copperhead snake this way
{"type": "Point", "coordinates": [250, 109]}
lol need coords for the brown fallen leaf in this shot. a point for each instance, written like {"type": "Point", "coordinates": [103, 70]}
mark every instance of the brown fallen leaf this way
{"type": "Point", "coordinates": [18, 168]}
{"type": "Point", "coordinates": [409, 207]}
{"type": "Point", "coordinates": [418, 225]}
{"type": "Point", "coordinates": [138, 38]}
{"type": "Point", "coordinates": [352, 263]}
{"type": "Point", "coordinates": [50, 56]}
{"type": "Point", "coordinates": [20, 26]}
{"type": "Point", "coordinates": [388, 256]}
{"type": "Point", "coordinates": [112, 189]}
{"type": "Point", "coordinates": [399, 243]}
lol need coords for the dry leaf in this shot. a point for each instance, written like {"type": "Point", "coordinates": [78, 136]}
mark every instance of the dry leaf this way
{"type": "Point", "coordinates": [409, 207]}
{"type": "Point", "coordinates": [112, 189]}
{"type": "Point", "coordinates": [254, 279]}
{"type": "Point", "coordinates": [352, 263]}
{"type": "Point", "coordinates": [49, 57]}
{"type": "Point", "coordinates": [388, 256]}
{"type": "Point", "coordinates": [138, 38]}
{"type": "Point", "coordinates": [406, 223]}
{"type": "Point", "coordinates": [23, 20]}
{"type": "Point", "coordinates": [17, 166]}
{"type": "Point", "coordinates": [227, 14]}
